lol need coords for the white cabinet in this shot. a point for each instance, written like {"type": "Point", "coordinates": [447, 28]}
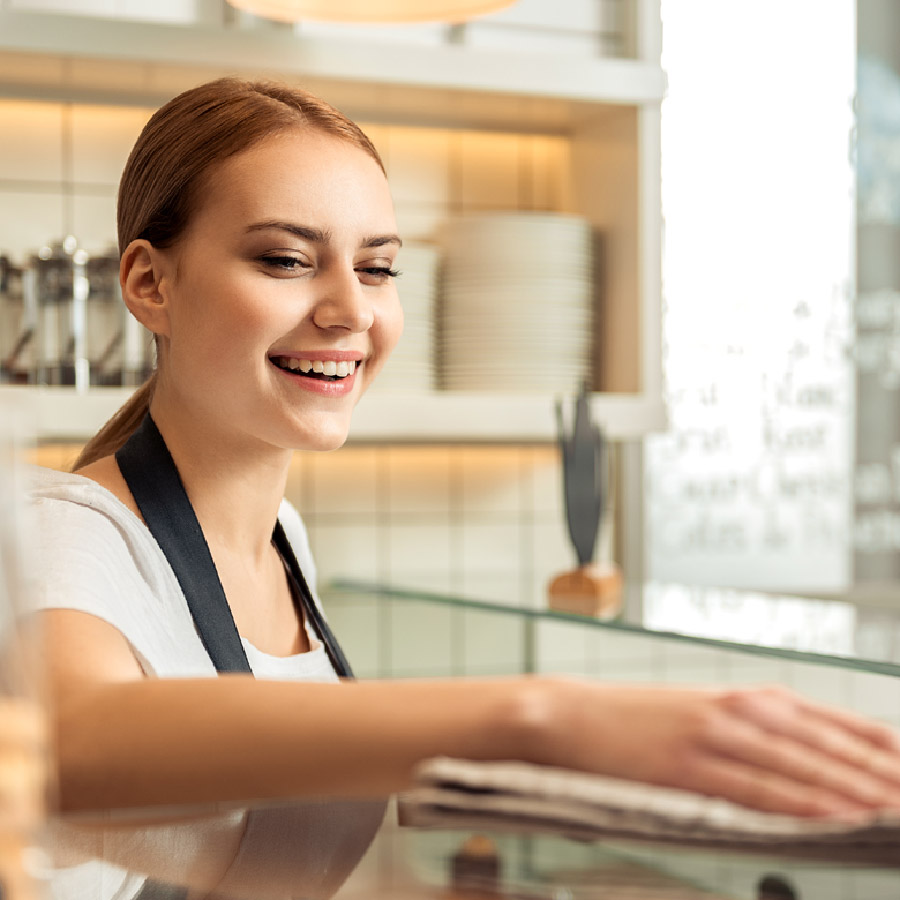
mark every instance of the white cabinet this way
{"type": "Point", "coordinates": [603, 111]}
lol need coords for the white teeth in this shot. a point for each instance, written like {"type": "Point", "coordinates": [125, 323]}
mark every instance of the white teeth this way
{"type": "Point", "coordinates": [322, 367]}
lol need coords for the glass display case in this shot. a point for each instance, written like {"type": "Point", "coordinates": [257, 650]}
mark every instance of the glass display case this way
{"type": "Point", "coordinates": [398, 634]}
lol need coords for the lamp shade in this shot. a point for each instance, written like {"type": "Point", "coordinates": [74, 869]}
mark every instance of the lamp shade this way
{"type": "Point", "coordinates": [371, 11]}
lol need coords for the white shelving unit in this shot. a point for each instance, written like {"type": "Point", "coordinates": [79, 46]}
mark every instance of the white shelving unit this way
{"type": "Point", "coordinates": [61, 414]}
{"type": "Point", "coordinates": [608, 110]}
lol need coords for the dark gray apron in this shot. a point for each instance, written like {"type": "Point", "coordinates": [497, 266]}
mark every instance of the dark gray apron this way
{"type": "Point", "coordinates": [154, 482]}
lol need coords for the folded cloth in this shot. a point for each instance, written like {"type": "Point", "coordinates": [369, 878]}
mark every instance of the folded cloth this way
{"type": "Point", "coordinates": [511, 796]}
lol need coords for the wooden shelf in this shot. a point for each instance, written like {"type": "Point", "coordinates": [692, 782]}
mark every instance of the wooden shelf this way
{"type": "Point", "coordinates": [61, 414]}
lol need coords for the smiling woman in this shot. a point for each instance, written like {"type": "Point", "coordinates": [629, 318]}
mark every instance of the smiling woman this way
{"type": "Point", "coordinates": [258, 244]}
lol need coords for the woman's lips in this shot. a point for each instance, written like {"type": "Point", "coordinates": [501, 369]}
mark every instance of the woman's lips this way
{"type": "Point", "coordinates": [326, 387]}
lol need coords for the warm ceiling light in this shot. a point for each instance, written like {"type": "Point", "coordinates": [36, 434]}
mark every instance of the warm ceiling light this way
{"type": "Point", "coordinates": [371, 11]}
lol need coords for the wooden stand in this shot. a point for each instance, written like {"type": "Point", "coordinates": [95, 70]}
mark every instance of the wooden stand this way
{"type": "Point", "coordinates": [591, 590]}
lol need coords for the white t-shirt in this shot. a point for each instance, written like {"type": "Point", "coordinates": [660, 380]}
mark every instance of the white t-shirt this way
{"type": "Point", "coordinates": [92, 554]}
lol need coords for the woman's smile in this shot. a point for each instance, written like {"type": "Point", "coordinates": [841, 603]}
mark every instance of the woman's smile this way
{"type": "Point", "coordinates": [322, 374]}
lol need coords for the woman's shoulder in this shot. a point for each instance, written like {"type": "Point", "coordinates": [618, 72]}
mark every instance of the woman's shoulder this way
{"type": "Point", "coordinates": [78, 491]}
{"type": "Point", "coordinates": [74, 518]}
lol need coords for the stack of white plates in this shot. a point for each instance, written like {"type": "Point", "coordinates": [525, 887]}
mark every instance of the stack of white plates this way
{"type": "Point", "coordinates": [410, 368]}
{"type": "Point", "coordinates": [516, 311]}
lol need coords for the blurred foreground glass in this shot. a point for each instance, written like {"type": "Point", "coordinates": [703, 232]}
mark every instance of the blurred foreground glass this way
{"type": "Point", "coordinates": [23, 761]}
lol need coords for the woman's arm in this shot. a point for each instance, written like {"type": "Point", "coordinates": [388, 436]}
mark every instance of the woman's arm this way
{"type": "Point", "coordinates": [125, 741]}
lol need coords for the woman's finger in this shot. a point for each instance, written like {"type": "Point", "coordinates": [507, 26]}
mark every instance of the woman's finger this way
{"type": "Point", "coordinates": [766, 791]}
{"type": "Point", "coordinates": [832, 739]}
{"type": "Point", "coordinates": [877, 733]}
{"type": "Point", "coordinates": [804, 763]}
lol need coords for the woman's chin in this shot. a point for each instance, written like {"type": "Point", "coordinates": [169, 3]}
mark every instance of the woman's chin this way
{"type": "Point", "coordinates": [323, 437]}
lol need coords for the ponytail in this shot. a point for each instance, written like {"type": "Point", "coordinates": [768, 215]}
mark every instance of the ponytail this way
{"type": "Point", "coordinates": [120, 427]}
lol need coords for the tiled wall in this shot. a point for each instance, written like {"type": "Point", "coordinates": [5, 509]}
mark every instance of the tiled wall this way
{"type": "Point", "coordinates": [59, 175]}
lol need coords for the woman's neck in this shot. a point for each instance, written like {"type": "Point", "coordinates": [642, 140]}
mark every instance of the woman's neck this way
{"type": "Point", "coordinates": [234, 483]}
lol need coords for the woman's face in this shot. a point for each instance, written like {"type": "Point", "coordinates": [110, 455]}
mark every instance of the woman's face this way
{"type": "Point", "coordinates": [282, 302]}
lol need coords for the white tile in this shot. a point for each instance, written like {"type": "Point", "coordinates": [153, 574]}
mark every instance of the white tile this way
{"type": "Point", "coordinates": [493, 480]}
{"type": "Point", "coordinates": [36, 153]}
{"type": "Point", "coordinates": [422, 550]}
{"type": "Point", "coordinates": [493, 644]}
{"type": "Point", "coordinates": [749, 669]}
{"type": "Point", "coordinates": [681, 657]}
{"type": "Point", "coordinates": [492, 547]}
{"type": "Point", "coordinates": [418, 480]}
{"type": "Point", "coordinates": [493, 588]}
{"type": "Point", "coordinates": [29, 220]}
{"type": "Point", "coordinates": [553, 551]}
{"type": "Point", "coordinates": [876, 695]}
{"type": "Point", "coordinates": [345, 550]}
{"type": "Point", "coordinates": [102, 138]}
{"type": "Point", "coordinates": [94, 222]}
{"type": "Point", "coordinates": [343, 481]}
{"type": "Point", "coordinates": [562, 647]}
{"type": "Point", "coordinates": [490, 171]}
{"type": "Point", "coordinates": [619, 673]}
{"type": "Point", "coordinates": [824, 684]}
{"type": "Point", "coordinates": [544, 472]}
{"type": "Point", "coordinates": [427, 582]}
{"type": "Point", "coordinates": [419, 170]}
{"type": "Point", "coordinates": [610, 647]}
{"type": "Point", "coordinates": [421, 639]}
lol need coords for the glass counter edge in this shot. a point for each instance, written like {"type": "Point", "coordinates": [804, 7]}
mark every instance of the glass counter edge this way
{"type": "Point", "coordinates": [343, 588]}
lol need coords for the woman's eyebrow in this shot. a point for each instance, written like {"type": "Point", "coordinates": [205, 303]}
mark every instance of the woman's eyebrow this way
{"type": "Point", "coordinates": [307, 232]}
{"type": "Point", "coordinates": [320, 236]}
{"type": "Point", "coordinates": [379, 240]}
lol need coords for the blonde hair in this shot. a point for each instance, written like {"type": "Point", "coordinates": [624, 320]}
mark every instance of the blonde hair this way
{"type": "Point", "coordinates": [176, 152]}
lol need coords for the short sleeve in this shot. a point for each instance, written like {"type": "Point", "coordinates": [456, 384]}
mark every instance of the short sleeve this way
{"type": "Point", "coordinates": [85, 560]}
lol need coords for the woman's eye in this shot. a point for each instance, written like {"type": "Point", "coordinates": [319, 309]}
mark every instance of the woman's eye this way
{"type": "Point", "coordinates": [283, 263]}
{"type": "Point", "coordinates": [378, 273]}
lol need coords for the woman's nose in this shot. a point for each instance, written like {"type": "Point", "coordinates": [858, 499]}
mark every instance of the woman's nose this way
{"type": "Point", "coordinates": [342, 302]}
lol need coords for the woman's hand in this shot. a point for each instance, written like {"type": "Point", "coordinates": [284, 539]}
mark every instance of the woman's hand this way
{"type": "Point", "coordinates": [762, 747]}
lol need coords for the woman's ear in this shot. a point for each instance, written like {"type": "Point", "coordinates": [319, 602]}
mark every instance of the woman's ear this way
{"type": "Point", "coordinates": [144, 277]}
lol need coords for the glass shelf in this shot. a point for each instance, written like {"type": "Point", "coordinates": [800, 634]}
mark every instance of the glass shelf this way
{"type": "Point", "coordinates": [340, 591]}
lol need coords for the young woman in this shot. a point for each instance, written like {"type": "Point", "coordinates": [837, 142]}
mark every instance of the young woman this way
{"type": "Point", "coordinates": [258, 244]}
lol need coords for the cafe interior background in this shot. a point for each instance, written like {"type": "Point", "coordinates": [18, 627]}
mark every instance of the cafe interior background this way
{"type": "Point", "coordinates": [716, 184]}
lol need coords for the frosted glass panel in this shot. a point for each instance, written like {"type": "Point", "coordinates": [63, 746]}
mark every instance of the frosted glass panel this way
{"type": "Point", "coordinates": [751, 486]}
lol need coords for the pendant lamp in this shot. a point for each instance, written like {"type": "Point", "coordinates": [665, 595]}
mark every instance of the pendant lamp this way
{"type": "Point", "coordinates": [371, 11]}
